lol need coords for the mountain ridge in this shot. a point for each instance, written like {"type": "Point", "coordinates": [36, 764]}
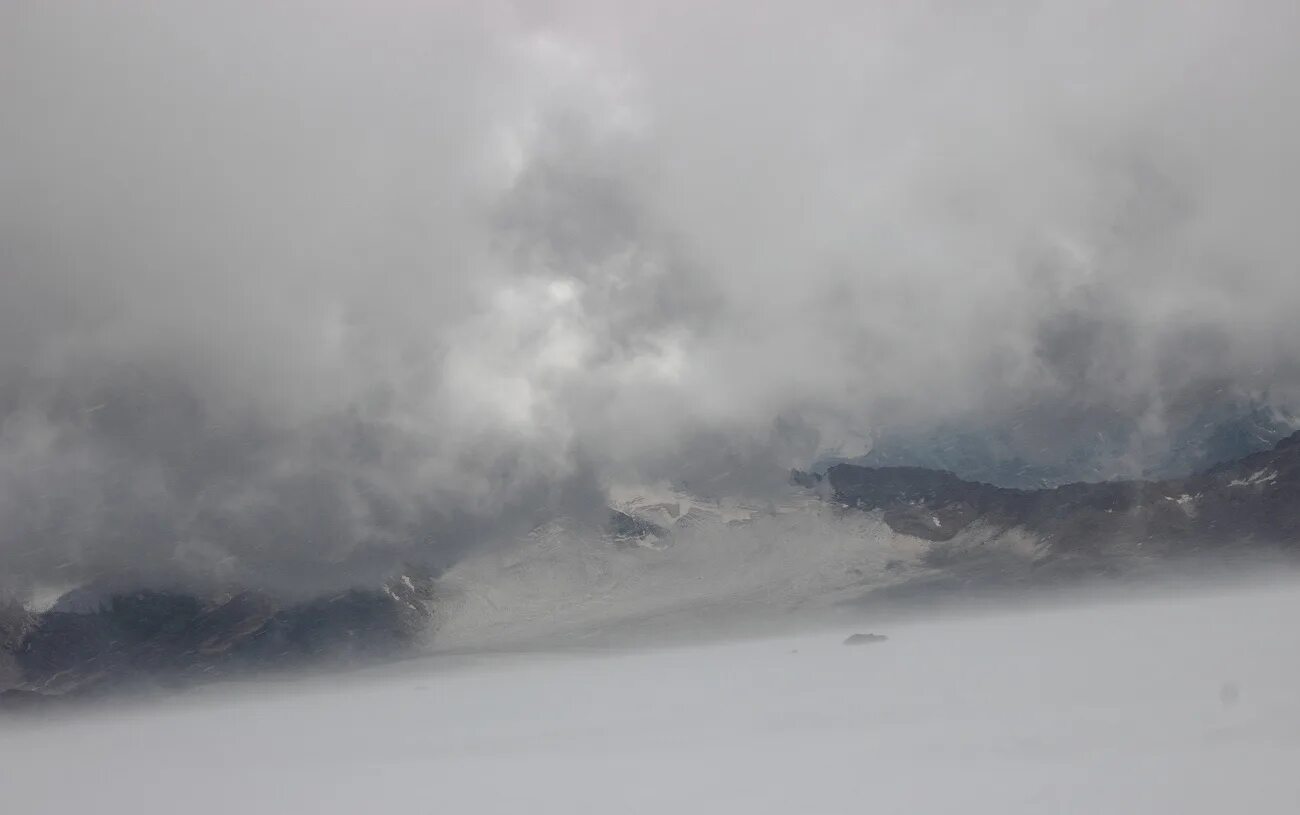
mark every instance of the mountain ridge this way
{"type": "Point", "coordinates": [1253, 500]}
{"type": "Point", "coordinates": [966, 534]}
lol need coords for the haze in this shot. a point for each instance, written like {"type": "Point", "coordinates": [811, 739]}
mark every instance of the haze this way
{"type": "Point", "coordinates": [296, 292]}
{"type": "Point", "coordinates": [542, 302]}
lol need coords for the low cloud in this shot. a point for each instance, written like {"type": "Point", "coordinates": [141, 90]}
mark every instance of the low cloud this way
{"type": "Point", "coordinates": [293, 293]}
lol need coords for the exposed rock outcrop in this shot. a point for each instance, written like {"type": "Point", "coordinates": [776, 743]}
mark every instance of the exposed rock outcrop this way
{"type": "Point", "coordinates": [1255, 500]}
{"type": "Point", "coordinates": [15, 622]}
{"type": "Point", "coordinates": [175, 638]}
{"type": "Point", "coordinates": [624, 529]}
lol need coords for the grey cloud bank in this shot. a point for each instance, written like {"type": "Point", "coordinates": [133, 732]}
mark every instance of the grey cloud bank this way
{"type": "Point", "coordinates": [293, 293]}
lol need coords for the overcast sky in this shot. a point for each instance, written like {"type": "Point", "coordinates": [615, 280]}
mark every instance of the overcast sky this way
{"type": "Point", "coordinates": [291, 292]}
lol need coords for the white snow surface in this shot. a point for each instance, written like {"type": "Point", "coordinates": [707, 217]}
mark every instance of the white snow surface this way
{"type": "Point", "coordinates": [565, 582]}
{"type": "Point", "coordinates": [1259, 478]}
{"type": "Point", "coordinates": [1180, 703]}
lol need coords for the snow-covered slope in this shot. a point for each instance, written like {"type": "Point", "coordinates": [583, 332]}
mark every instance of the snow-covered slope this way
{"type": "Point", "coordinates": [1181, 705]}
{"type": "Point", "coordinates": [564, 579]}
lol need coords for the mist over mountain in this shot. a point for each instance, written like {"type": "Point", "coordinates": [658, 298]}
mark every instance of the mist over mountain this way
{"type": "Point", "coordinates": [874, 539]}
{"type": "Point", "coordinates": [649, 406]}
{"type": "Point", "coordinates": [1014, 455]}
{"type": "Point", "coordinates": [294, 296]}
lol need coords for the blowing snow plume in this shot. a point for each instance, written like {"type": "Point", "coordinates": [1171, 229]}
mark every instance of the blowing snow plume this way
{"type": "Point", "coordinates": [295, 293]}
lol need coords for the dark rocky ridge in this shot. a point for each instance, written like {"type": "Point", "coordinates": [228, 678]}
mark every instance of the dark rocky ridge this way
{"type": "Point", "coordinates": [84, 647]}
{"type": "Point", "coordinates": [1207, 431]}
{"type": "Point", "coordinates": [149, 638]}
{"type": "Point", "coordinates": [622, 529]}
{"type": "Point", "coordinates": [1252, 501]}
{"type": "Point", "coordinates": [93, 642]}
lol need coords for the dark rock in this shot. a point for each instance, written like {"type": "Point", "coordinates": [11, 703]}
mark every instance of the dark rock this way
{"type": "Point", "coordinates": [15, 622]}
{"type": "Point", "coordinates": [804, 479]}
{"type": "Point", "coordinates": [152, 636]}
{"type": "Point", "coordinates": [863, 639]}
{"type": "Point", "coordinates": [1080, 448]}
{"type": "Point", "coordinates": [935, 524]}
{"type": "Point", "coordinates": [625, 528]}
{"type": "Point", "coordinates": [17, 700]}
{"type": "Point", "coordinates": [1254, 500]}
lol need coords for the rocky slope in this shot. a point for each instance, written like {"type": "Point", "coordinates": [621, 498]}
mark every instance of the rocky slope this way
{"type": "Point", "coordinates": [1254, 501]}
{"type": "Point", "coordinates": [1221, 429]}
{"type": "Point", "coordinates": [928, 531]}
{"type": "Point", "coordinates": [170, 638]}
